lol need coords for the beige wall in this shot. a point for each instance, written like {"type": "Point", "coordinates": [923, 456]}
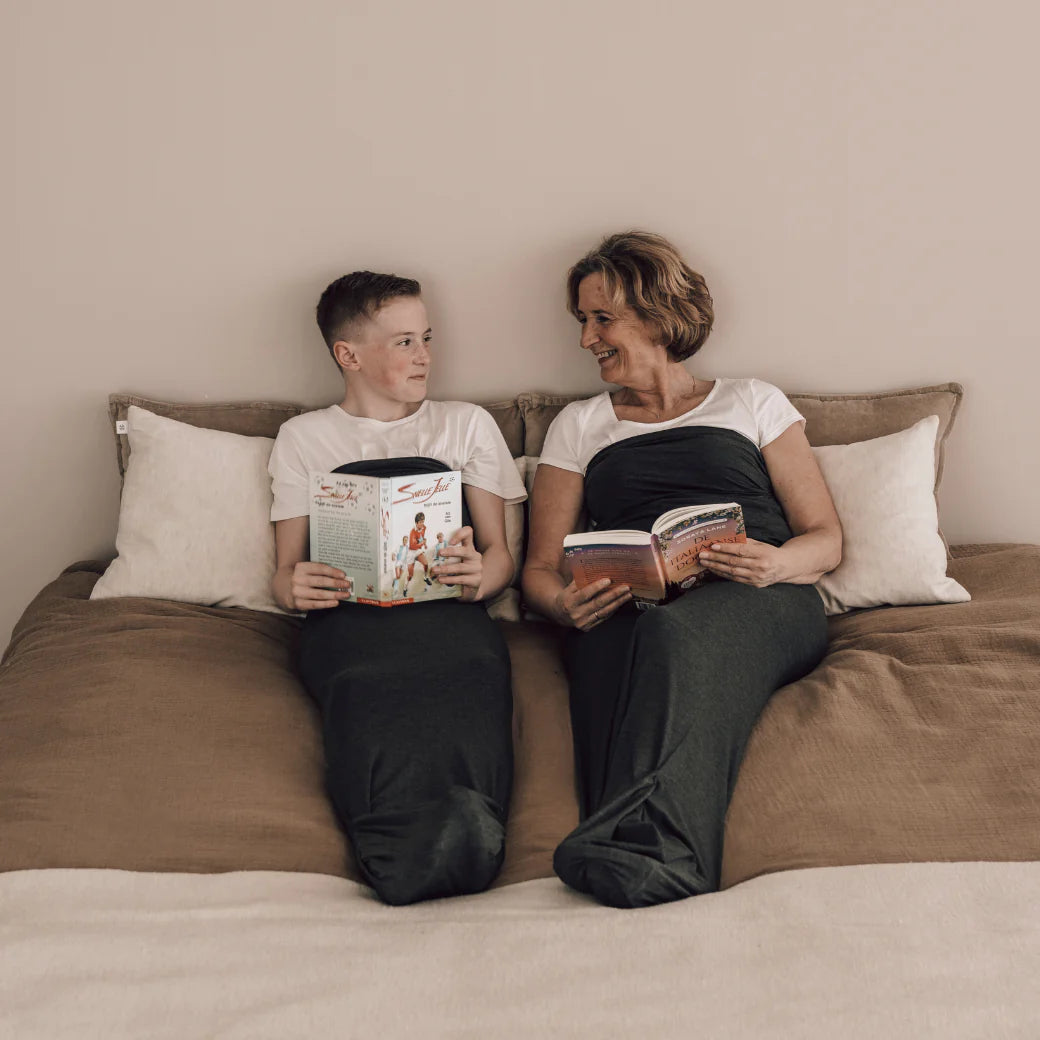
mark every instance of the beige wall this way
{"type": "Point", "coordinates": [857, 182]}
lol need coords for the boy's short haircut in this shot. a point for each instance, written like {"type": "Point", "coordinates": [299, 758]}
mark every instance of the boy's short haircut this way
{"type": "Point", "coordinates": [354, 299]}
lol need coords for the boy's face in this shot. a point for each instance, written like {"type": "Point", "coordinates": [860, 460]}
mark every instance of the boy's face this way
{"type": "Point", "coordinates": [391, 356]}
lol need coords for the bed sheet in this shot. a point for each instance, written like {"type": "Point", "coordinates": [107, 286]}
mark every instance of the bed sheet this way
{"type": "Point", "coordinates": [912, 950]}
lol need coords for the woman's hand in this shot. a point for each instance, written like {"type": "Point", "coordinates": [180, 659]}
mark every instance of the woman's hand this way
{"type": "Point", "coordinates": [586, 607]}
{"type": "Point", "coordinates": [463, 564]}
{"type": "Point", "coordinates": [750, 563]}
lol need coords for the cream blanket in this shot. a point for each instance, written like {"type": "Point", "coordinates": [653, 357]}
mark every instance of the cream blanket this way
{"type": "Point", "coordinates": [898, 950]}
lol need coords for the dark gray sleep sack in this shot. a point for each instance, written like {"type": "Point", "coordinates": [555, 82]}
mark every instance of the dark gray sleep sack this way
{"type": "Point", "coordinates": [416, 713]}
{"type": "Point", "coordinates": [663, 701]}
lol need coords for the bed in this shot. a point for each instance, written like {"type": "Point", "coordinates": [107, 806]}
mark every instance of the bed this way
{"type": "Point", "coordinates": [171, 865]}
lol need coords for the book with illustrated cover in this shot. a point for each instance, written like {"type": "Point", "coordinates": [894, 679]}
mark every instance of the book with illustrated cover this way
{"type": "Point", "coordinates": [660, 564]}
{"type": "Point", "coordinates": [386, 533]}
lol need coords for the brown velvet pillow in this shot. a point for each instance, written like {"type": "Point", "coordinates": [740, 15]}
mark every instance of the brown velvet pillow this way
{"type": "Point", "coordinates": [829, 418]}
{"type": "Point", "coordinates": [848, 418]}
{"type": "Point", "coordinates": [145, 734]}
{"type": "Point", "coordinates": [917, 738]}
{"type": "Point", "coordinates": [142, 734]}
{"type": "Point", "coordinates": [263, 418]}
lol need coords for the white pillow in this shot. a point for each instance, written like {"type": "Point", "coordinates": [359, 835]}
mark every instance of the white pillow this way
{"type": "Point", "coordinates": [892, 552]}
{"type": "Point", "coordinates": [883, 492]}
{"type": "Point", "coordinates": [194, 519]}
{"type": "Point", "coordinates": [531, 467]}
{"type": "Point", "coordinates": [506, 605]}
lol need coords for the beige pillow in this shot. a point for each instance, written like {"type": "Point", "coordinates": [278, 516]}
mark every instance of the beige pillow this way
{"type": "Point", "coordinates": [530, 468]}
{"type": "Point", "coordinates": [194, 518]}
{"type": "Point", "coordinates": [263, 418]}
{"type": "Point", "coordinates": [892, 554]}
{"type": "Point", "coordinates": [829, 418]}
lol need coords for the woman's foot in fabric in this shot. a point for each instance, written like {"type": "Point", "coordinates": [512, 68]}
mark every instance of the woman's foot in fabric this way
{"type": "Point", "coordinates": [629, 864]}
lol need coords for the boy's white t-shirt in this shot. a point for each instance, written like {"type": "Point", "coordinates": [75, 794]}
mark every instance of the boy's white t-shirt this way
{"type": "Point", "coordinates": [461, 435]}
{"type": "Point", "coordinates": [758, 410]}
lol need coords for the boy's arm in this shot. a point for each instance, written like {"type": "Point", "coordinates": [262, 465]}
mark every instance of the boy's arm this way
{"type": "Point", "coordinates": [299, 584]}
{"type": "Point", "coordinates": [477, 557]}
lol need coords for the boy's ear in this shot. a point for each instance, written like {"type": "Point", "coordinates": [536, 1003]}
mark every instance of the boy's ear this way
{"type": "Point", "coordinates": [346, 355]}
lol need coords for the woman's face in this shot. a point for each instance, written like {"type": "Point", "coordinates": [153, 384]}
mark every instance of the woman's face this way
{"type": "Point", "coordinates": [620, 341]}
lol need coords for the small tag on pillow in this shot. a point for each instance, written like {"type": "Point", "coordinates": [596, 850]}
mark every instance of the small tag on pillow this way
{"type": "Point", "coordinates": [121, 426]}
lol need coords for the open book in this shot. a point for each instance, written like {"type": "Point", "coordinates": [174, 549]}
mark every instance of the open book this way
{"type": "Point", "coordinates": [385, 533]}
{"type": "Point", "coordinates": [658, 564]}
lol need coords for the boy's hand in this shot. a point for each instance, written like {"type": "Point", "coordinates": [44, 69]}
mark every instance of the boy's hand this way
{"type": "Point", "coordinates": [316, 586]}
{"type": "Point", "coordinates": [462, 564]}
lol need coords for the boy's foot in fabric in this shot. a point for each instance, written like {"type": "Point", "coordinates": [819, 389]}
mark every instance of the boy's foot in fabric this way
{"type": "Point", "coordinates": [446, 848]}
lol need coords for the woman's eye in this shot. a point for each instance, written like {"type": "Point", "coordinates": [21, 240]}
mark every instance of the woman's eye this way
{"type": "Point", "coordinates": [603, 319]}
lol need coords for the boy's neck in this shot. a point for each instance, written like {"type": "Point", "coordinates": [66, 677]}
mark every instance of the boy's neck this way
{"type": "Point", "coordinates": [364, 404]}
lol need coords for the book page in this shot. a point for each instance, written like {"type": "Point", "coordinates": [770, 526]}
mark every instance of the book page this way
{"type": "Point", "coordinates": [344, 527]}
{"type": "Point", "coordinates": [632, 565]}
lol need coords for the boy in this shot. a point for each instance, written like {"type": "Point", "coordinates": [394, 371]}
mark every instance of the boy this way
{"type": "Point", "coordinates": [419, 760]}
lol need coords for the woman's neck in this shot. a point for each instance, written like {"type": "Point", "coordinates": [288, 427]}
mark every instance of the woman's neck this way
{"type": "Point", "coordinates": [675, 392]}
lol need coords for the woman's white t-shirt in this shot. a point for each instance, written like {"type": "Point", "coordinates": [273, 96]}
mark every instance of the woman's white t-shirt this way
{"type": "Point", "coordinates": [750, 407]}
{"type": "Point", "coordinates": [461, 435]}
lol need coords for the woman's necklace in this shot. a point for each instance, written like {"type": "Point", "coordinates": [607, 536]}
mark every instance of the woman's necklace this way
{"type": "Point", "coordinates": [677, 408]}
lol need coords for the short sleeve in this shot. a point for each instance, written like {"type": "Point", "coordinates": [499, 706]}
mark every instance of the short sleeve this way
{"type": "Point", "coordinates": [562, 446]}
{"type": "Point", "coordinates": [289, 478]}
{"type": "Point", "coordinates": [488, 464]}
{"type": "Point", "coordinates": [772, 411]}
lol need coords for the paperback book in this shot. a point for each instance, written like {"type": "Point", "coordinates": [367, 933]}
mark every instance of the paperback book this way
{"type": "Point", "coordinates": [660, 564]}
{"type": "Point", "coordinates": [386, 533]}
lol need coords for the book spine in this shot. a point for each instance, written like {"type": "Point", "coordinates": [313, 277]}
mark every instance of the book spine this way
{"type": "Point", "coordinates": [655, 549]}
{"type": "Point", "coordinates": [386, 547]}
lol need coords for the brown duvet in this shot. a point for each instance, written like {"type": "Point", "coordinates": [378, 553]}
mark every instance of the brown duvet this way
{"type": "Point", "coordinates": [152, 735]}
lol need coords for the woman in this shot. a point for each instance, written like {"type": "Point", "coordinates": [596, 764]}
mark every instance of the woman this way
{"type": "Point", "coordinates": [663, 701]}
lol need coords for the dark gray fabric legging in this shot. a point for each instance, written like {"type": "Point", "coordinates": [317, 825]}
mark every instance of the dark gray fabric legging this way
{"type": "Point", "coordinates": [416, 711]}
{"type": "Point", "coordinates": [662, 705]}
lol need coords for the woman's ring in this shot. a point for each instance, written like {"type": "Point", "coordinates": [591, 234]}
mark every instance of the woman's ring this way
{"type": "Point", "coordinates": [595, 614]}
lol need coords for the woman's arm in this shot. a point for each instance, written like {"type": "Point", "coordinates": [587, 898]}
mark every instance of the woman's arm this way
{"type": "Point", "coordinates": [815, 548]}
{"type": "Point", "coordinates": [556, 502]}
{"type": "Point", "coordinates": [477, 557]}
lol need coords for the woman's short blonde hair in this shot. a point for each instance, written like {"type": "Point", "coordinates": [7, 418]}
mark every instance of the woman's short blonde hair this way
{"type": "Point", "coordinates": [645, 272]}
